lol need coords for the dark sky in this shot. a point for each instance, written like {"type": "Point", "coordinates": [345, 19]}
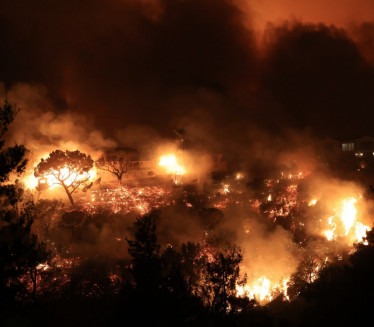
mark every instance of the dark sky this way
{"type": "Point", "coordinates": [173, 63]}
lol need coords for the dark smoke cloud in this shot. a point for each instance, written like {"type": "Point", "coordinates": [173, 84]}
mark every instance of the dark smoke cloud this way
{"type": "Point", "coordinates": [115, 59]}
{"type": "Point", "coordinates": [192, 65]}
{"type": "Point", "coordinates": [316, 77]}
{"type": "Point", "coordinates": [363, 34]}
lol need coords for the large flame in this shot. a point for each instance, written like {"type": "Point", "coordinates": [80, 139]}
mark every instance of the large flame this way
{"type": "Point", "coordinates": [31, 182]}
{"type": "Point", "coordinates": [67, 176]}
{"type": "Point", "coordinates": [171, 165]}
{"type": "Point", "coordinates": [346, 222]}
{"type": "Point", "coordinates": [349, 212]}
{"type": "Point", "coordinates": [263, 289]}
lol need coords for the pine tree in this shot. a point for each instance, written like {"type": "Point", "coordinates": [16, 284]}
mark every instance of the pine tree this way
{"type": "Point", "coordinates": [20, 251]}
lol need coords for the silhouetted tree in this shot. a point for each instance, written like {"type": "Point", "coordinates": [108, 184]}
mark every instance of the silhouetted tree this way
{"type": "Point", "coordinates": [70, 169]}
{"type": "Point", "coordinates": [73, 221]}
{"type": "Point", "coordinates": [173, 279]}
{"type": "Point", "coordinates": [47, 216]}
{"type": "Point", "coordinates": [221, 279]}
{"type": "Point", "coordinates": [116, 161]}
{"type": "Point", "coordinates": [306, 273]}
{"type": "Point", "coordinates": [182, 269]}
{"type": "Point", "coordinates": [20, 251]}
{"type": "Point", "coordinates": [145, 252]}
{"type": "Point", "coordinates": [12, 159]}
{"type": "Point", "coordinates": [193, 262]}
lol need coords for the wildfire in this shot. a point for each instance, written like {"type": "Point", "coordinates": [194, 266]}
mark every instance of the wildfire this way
{"type": "Point", "coordinates": [171, 165]}
{"type": "Point", "coordinates": [345, 223]}
{"type": "Point", "coordinates": [30, 181]}
{"type": "Point", "coordinates": [263, 289]}
{"type": "Point", "coordinates": [349, 213]}
{"type": "Point", "coordinates": [126, 199]}
{"type": "Point", "coordinates": [330, 233]}
{"type": "Point", "coordinates": [278, 200]}
{"type": "Point", "coordinates": [66, 175]}
{"type": "Point", "coordinates": [360, 232]}
{"type": "Point", "coordinates": [312, 202]}
{"type": "Point", "coordinates": [49, 181]}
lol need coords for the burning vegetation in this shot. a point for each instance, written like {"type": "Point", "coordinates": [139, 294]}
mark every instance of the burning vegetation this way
{"type": "Point", "coordinates": [197, 170]}
{"type": "Point", "coordinates": [231, 243]}
{"type": "Point", "coordinates": [240, 243]}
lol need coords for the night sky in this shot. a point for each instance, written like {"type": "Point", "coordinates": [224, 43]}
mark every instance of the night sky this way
{"type": "Point", "coordinates": [212, 65]}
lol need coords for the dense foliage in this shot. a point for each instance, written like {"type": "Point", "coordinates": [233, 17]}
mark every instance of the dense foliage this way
{"type": "Point", "coordinates": [67, 168]}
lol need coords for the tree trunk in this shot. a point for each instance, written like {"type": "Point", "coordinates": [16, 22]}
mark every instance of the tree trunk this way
{"type": "Point", "coordinates": [69, 195]}
{"type": "Point", "coordinates": [119, 178]}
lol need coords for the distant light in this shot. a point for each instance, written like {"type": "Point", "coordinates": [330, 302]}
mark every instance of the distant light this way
{"type": "Point", "coordinates": [240, 176]}
{"type": "Point", "coordinates": [360, 154]}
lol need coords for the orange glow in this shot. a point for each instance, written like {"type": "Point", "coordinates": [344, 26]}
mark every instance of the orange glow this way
{"type": "Point", "coordinates": [263, 289]}
{"type": "Point", "coordinates": [125, 199]}
{"type": "Point", "coordinates": [345, 223]}
{"type": "Point", "coordinates": [239, 176]}
{"type": "Point", "coordinates": [31, 182]}
{"type": "Point", "coordinates": [312, 202]}
{"type": "Point", "coordinates": [349, 213]}
{"type": "Point", "coordinates": [171, 165]}
{"type": "Point", "coordinates": [67, 176]}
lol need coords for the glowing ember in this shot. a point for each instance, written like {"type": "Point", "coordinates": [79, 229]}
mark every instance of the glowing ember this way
{"type": "Point", "coordinates": [312, 202]}
{"type": "Point", "coordinates": [239, 176]}
{"type": "Point", "coordinates": [126, 199]}
{"type": "Point", "coordinates": [42, 266]}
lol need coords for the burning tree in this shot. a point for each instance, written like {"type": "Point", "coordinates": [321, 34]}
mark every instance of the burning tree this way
{"type": "Point", "coordinates": [116, 162]}
{"type": "Point", "coordinates": [222, 278]}
{"type": "Point", "coordinates": [70, 169]}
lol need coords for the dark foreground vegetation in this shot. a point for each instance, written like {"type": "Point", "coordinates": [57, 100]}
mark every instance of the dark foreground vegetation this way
{"type": "Point", "coordinates": [145, 280]}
